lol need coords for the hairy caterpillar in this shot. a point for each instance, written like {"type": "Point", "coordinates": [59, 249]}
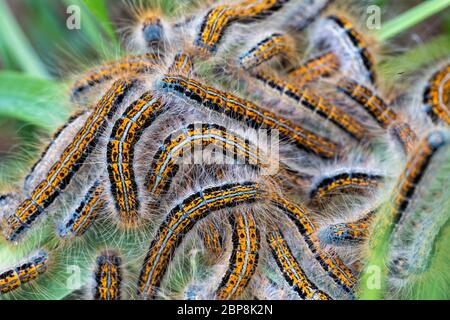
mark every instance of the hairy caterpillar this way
{"type": "Point", "coordinates": [347, 233]}
{"type": "Point", "coordinates": [69, 163]}
{"type": "Point", "coordinates": [378, 109]}
{"type": "Point", "coordinates": [248, 112]}
{"type": "Point", "coordinates": [24, 273]}
{"type": "Point", "coordinates": [126, 133]}
{"type": "Point", "coordinates": [315, 68]}
{"type": "Point", "coordinates": [181, 219]}
{"type": "Point", "coordinates": [291, 270]}
{"type": "Point", "coordinates": [319, 105]}
{"type": "Point", "coordinates": [128, 66]}
{"type": "Point", "coordinates": [220, 18]}
{"type": "Point", "coordinates": [266, 49]}
{"type": "Point", "coordinates": [244, 257]}
{"type": "Point", "coordinates": [108, 277]}
{"type": "Point", "coordinates": [85, 214]}
{"type": "Point", "coordinates": [338, 35]}
{"type": "Point", "coordinates": [344, 181]}
{"type": "Point", "coordinates": [436, 96]}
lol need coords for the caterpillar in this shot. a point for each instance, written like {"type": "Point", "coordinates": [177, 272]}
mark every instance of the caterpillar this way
{"type": "Point", "coordinates": [24, 273]}
{"type": "Point", "coordinates": [338, 35]}
{"type": "Point", "coordinates": [58, 139]}
{"type": "Point", "coordinates": [307, 227]}
{"type": "Point", "coordinates": [291, 269]}
{"type": "Point", "coordinates": [247, 112]}
{"type": "Point", "coordinates": [68, 164]}
{"type": "Point", "coordinates": [220, 18]}
{"type": "Point", "coordinates": [213, 239]}
{"type": "Point", "coordinates": [347, 233]}
{"type": "Point", "coordinates": [319, 105]}
{"type": "Point", "coordinates": [128, 66]}
{"type": "Point", "coordinates": [436, 96]}
{"type": "Point", "coordinates": [415, 169]}
{"type": "Point", "coordinates": [197, 135]}
{"type": "Point", "coordinates": [85, 214]}
{"type": "Point", "coordinates": [108, 277]}
{"type": "Point", "coordinates": [321, 66]}
{"type": "Point", "coordinates": [266, 49]}
{"type": "Point", "coordinates": [244, 257]}
{"type": "Point", "coordinates": [379, 111]}
{"type": "Point", "coordinates": [182, 64]}
{"type": "Point", "coordinates": [181, 219]}
{"type": "Point", "coordinates": [126, 133]}
{"type": "Point", "coordinates": [344, 182]}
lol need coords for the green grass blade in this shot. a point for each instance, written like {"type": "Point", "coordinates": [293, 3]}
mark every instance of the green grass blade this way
{"type": "Point", "coordinates": [410, 18]}
{"type": "Point", "coordinates": [36, 101]}
{"type": "Point", "coordinates": [17, 45]}
{"type": "Point", "coordinates": [99, 10]}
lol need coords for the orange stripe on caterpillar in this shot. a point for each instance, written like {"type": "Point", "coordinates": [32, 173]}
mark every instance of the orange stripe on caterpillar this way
{"type": "Point", "coordinates": [128, 66]}
{"type": "Point", "coordinates": [246, 111]}
{"type": "Point", "coordinates": [70, 161]}
{"type": "Point", "coordinates": [244, 257]}
{"type": "Point", "coordinates": [126, 132]}
{"type": "Point", "coordinates": [329, 261]}
{"type": "Point", "coordinates": [108, 277]}
{"type": "Point", "coordinates": [273, 45]}
{"type": "Point", "coordinates": [218, 19]}
{"type": "Point", "coordinates": [416, 167]}
{"type": "Point", "coordinates": [317, 104]}
{"type": "Point", "coordinates": [181, 219]}
{"type": "Point", "coordinates": [347, 233]}
{"type": "Point", "coordinates": [379, 111]}
{"type": "Point", "coordinates": [26, 272]}
{"type": "Point", "coordinates": [344, 182]}
{"type": "Point", "coordinates": [318, 67]}
{"type": "Point", "coordinates": [182, 64]}
{"type": "Point", "coordinates": [291, 269]}
{"type": "Point", "coordinates": [436, 96]}
{"type": "Point", "coordinates": [213, 239]}
{"type": "Point", "coordinates": [86, 213]}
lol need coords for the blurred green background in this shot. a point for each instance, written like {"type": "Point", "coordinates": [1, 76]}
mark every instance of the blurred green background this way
{"type": "Point", "coordinates": [39, 54]}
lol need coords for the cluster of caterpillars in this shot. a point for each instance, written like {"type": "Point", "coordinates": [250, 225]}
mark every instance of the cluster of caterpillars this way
{"type": "Point", "coordinates": [170, 153]}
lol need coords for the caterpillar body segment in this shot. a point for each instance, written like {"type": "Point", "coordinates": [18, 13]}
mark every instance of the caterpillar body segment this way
{"type": "Point", "coordinates": [307, 226]}
{"type": "Point", "coordinates": [85, 214]}
{"type": "Point", "coordinates": [344, 182]}
{"type": "Point", "coordinates": [108, 277]}
{"type": "Point", "coordinates": [126, 133]}
{"type": "Point", "coordinates": [416, 167]}
{"type": "Point", "coordinates": [377, 108]}
{"type": "Point", "coordinates": [129, 66]}
{"type": "Point", "coordinates": [24, 273]}
{"type": "Point", "coordinates": [220, 18]}
{"type": "Point", "coordinates": [268, 48]}
{"type": "Point", "coordinates": [247, 112]}
{"type": "Point", "coordinates": [347, 233]}
{"type": "Point", "coordinates": [292, 272]}
{"type": "Point", "coordinates": [436, 95]}
{"type": "Point", "coordinates": [182, 64]}
{"type": "Point", "coordinates": [307, 99]}
{"type": "Point", "coordinates": [59, 140]}
{"type": "Point", "coordinates": [338, 35]}
{"type": "Point", "coordinates": [213, 239]}
{"type": "Point", "coordinates": [321, 66]}
{"type": "Point", "coordinates": [244, 256]}
{"type": "Point", "coordinates": [181, 219]}
{"type": "Point", "coordinates": [70, 161]}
